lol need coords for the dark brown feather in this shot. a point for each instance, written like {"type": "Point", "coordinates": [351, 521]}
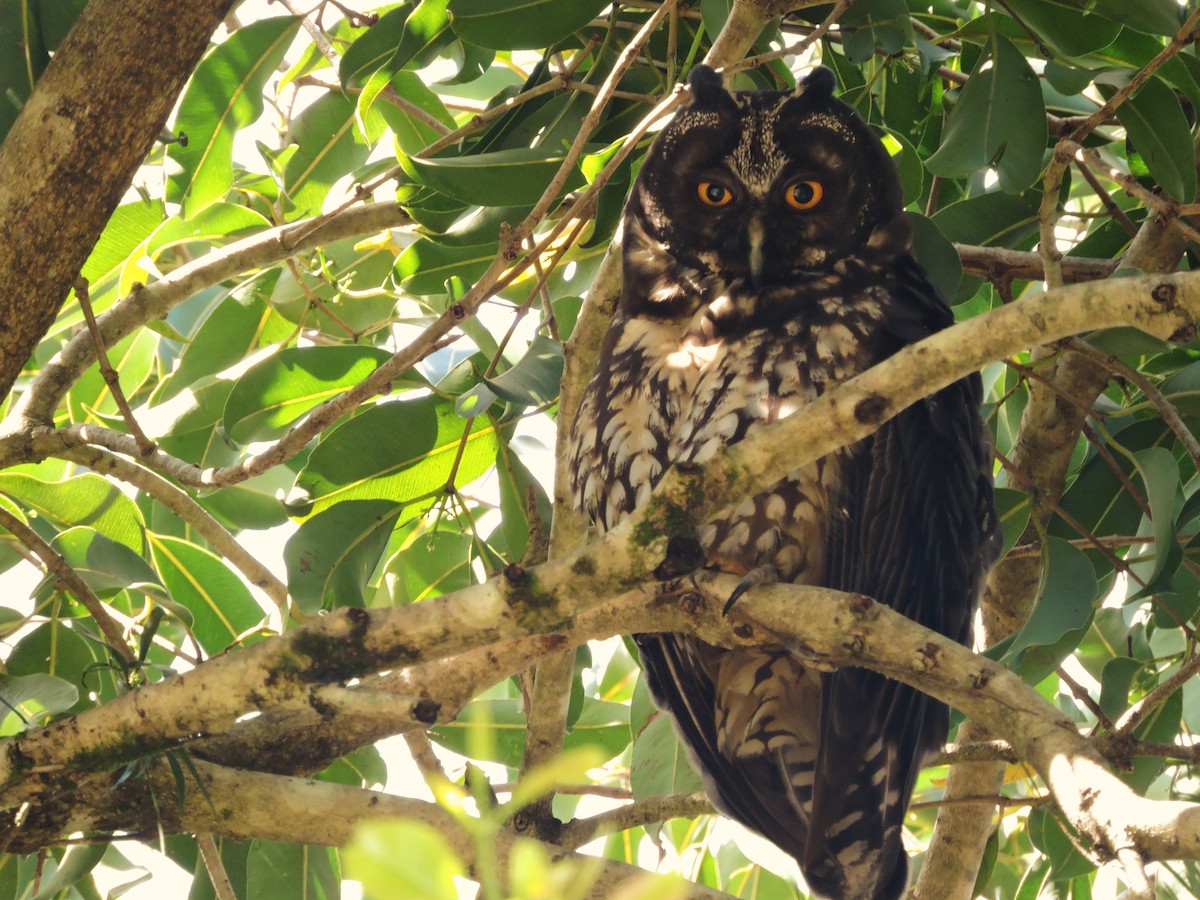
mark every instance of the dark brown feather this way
{"type": "Point", "coordinates": [729, 320]}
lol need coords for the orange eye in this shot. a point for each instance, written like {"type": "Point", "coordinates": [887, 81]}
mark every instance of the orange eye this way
{"type": "Point", "coordinates": [713, 194]}
{"type": "Point", "coordinates": [803, 194]}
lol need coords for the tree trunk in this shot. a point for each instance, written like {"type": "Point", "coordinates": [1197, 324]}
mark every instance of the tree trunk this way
{"type": "Point", "coordinates": [73, 150]}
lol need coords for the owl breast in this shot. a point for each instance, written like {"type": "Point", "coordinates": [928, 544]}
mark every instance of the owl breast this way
{"type": "Point", "coordinates": [679, 391]}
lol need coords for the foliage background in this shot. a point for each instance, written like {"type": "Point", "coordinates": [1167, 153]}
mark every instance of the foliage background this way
{"type": "Point", "coordinates": [376, 384]}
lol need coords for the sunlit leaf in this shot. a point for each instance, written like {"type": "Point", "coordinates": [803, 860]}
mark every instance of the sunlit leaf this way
{"type": "Point", "coordinates": [225, 95]}
{"type": "Point", "coordinates": [499, 178]}
{"type": "Point", "coordinates": [29, 700]}
{"type": "Point", "coordinates": [221, 604]}
{"type": "Point", "coordinates": [999, 121]}
{"type": "Point", "coordinates": [272, 394]}
{"type": "Point", "coordinates": [332, 555]}
{"type": "Point", "coordinates": [520, 25]}
{"type": "Point", "coordinates": [403, 858]}
{"type": "Point", "coordinates": [404, 452]}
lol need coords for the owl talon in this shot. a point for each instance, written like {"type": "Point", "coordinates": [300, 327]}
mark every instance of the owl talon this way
{"type": "Point", "coordinates": [753, 578]}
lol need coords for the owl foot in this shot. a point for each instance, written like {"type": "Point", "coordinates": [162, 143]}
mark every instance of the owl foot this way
{"type": "Point", "coordinates": [753, 578]}
{"type": "Point", "coordinates": [684, 555]}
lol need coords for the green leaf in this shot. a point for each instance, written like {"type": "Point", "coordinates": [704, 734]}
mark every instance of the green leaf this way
{"type": "Point", "coordinates": [1065, 25]}
{"type": "Point", "coordinates": [424, 267]}
{"type": "Point", "coordinates": [90, 398]}
{"type": "Point", "coordinates": [276, 871]}
{"type": "Point", "coordinates": [274, 393]}
{"type": "Point", "coordinates": [400, 451]}
{"type": "Point", "coordinates": [1115, 682]}
{"type": "Point", "coordinates": [660, 765]}
{"type": "Point", "coordinates": [1160, 475]}
{"type": "Point", "coordinates": [23, 56]}
{"type": "Point", "coordinates": [480, 225]}
{"type": "Point", "coordinates": [428, 566]}
{"type": "Point", "coordinates": [1159, 131]}
{"type": "Point", "coordinates": [30, 700]}
{"type": "Point", "coordinates": [221, 605]}
{"type": "Point", "coordinates": [512, 177]}
{"type": "Point", "coordinates": [374, 46]}
{"type": "Point", "coordinates": [411, 132]}
{"type": "Point", "coordinates": [85, 499]}
{"type": "Point", "coordinates": [999, 121]}
{"type": "Point", "coordinates": [534, 380]}
{"type": "Point", "coordinates": [1013, 508]}
{"type": "Point", "coordinates": [257, 502]}
{"type": "Point", "coordinates": [990, 220]}
{"type": "Point", "coordinates": [1150, 16]}
{"type": "Point", "coordinates": [104, 565]}
{"type": "Point", "coordinates": [1048, 836]}
{"type": "Point", "coordinates": [332, 555]}
{"type": "Point", "coordinates": [330, 146]}
{"type": "Point", "coordinates": [491, 730]}
{"type": "Point", "coordinates": [1064, 605]}
{"type": "Point", "coordinates": [224, 96]}
{"type": "Point", "coordinates": [218, 224]}
{"type": "Point", "coordinates": [77, 862]}
{"type": "Point", "coordinates": [1132, 50]}
{"type": "Point", "coordinates": [423, 33]}
{"type": "Point", "coordinates": [55, 648]}
{"type": "Point", "coordinates": [129, 226]}
{"type": "Point", "coordinates": [520, 24]}
{"type": "Point", "coordinates": [936, 255]}
{"type": "Point", "coordinates": [364, 768]}
{"type": "Point", "coordinates": [403, 858]}
{"type": "Point", "coordinates": [495, 730]}
{"type": "Point", "coordinates": [227, 335]}
{"type": "Point", "coordinates": [516, 485]}
{"type": "Point", "coordinates": [602, 726]}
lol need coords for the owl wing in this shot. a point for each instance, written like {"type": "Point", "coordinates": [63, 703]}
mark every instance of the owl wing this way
{"type": "Point", "coordinates": [916, 531]}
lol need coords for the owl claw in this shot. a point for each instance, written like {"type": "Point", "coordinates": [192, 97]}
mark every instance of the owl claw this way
{"type": "Point", "coordinates": [753, 578]}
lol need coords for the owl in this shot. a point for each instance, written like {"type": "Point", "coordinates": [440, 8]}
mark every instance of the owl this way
{"type": "Point", "coordinates": [767, 258]}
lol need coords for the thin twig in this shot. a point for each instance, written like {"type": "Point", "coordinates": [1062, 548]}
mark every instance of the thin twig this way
{"type": "Point", "coordinates": [1166, 409]}
{"type": "Point", "coordinates": [1079, 692]}
{"type": "Point", "coordinates": [215, 867]}
{"type": "Point", "coordinates": [993, 262]}
{"type": "Point", "coordinates": [1151, 701]}
{"type": "Point", "coordinates": [1048, 215]}
{"type": "Point", "coordinates": [1110, 206]}
{"type": "Point", "coordinates": [1181, 39]}
{"type": "Point", "coordinates": [57, 566]}
{"type": "Point", "coordinates": [1131, 186]}
{"type": "Point", "coordinates": [1140, 886]}
{"type": "Point", "coordinates": [590, 122]}
{"type": "Point", "coordinates": [182, 505]}
{"type": "Point", "coordinates": [641, 812]}
{"type": "Point", "coordinates": [111, 378]}
{"type": "Point", "coordinates": [998, 800]}
{"type": "Point", "coordinates": [796, 49]}
{"type": "Point", "coordinates": [1054, 507]}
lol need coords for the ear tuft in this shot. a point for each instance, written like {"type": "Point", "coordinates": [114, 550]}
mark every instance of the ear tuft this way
{"type": "Point", "coordinates": [706, 86]}
{"type": "Point", "coordinates": [817, 84]}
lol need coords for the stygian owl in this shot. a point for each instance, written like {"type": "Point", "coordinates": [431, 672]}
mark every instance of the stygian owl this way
{"type": "Point", "coordinates": [767, 258]}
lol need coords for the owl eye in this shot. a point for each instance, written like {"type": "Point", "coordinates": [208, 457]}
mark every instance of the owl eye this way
{"type": "Point", "coordinates": [803, 194]}
{"type": "Point", "coordinates": [713, 194]}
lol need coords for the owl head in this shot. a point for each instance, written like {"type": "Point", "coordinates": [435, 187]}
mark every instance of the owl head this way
{"type": "Point", "coordinates": [765, 186]}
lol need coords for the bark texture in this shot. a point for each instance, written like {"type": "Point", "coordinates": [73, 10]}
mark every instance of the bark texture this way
{"type": "Point", "coordinates": [76, 145]}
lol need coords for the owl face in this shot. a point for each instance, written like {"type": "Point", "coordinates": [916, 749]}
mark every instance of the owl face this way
{"type": "Point", "coordinates": [763, 187]}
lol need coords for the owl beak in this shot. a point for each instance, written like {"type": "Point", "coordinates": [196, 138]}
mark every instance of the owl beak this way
{"type": "Point", "coordinates": [755, 233]}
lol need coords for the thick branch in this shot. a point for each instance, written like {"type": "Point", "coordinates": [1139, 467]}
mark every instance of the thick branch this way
{"type": "Point", "coordinates": [76, 145]}
{"type": "Point", "coordinates": [573, 594]}
{"type": "Point", "coordinates": [37, 404]}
